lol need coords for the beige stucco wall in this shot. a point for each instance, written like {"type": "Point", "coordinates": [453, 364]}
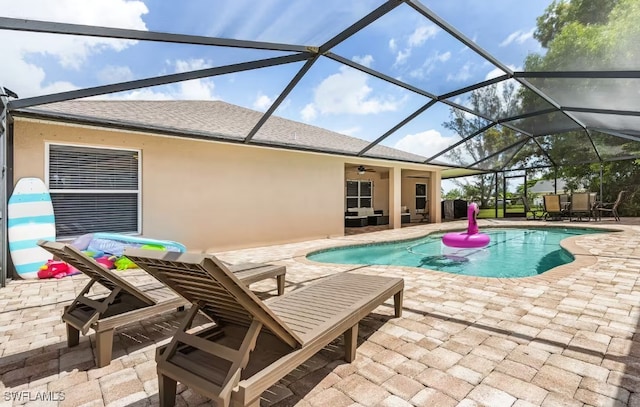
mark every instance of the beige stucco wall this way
{"type": "Point", "coordinates": [214, 196]}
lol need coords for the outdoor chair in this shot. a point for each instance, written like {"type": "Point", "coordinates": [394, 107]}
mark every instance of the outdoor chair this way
{"type": "Point", "coordinates": [252, 344]}
{"type": "Point", "coordinates": [536, 214]}
{"type": "Point", "coordinates": [611, 208]}
{"type": "Point", "coordinates": [580, 206]}
{"type": "Point", "coordinates": [552, 207]}
{"type": "Point", "coordinates": [423, 213]}
{"type": "Point", "coordinates": [124, 302]}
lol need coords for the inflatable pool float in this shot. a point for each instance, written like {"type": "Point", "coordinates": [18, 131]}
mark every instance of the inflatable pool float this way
{"type": "Point", "coordinates": [115, 243]}
{"type": "Point", "coordinates": [471, 238]}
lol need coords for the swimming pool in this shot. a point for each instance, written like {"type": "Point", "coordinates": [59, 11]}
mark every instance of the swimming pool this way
{"type": "Point", "coordinates": [511, 253]}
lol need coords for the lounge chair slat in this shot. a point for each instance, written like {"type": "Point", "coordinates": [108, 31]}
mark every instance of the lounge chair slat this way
{"type": "Point", "coordinates": [299, 321]}
{"type": "Point", "coordinates": [298, 313]}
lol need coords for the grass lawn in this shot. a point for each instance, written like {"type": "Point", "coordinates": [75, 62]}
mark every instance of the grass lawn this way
{"type": "Point", "coordinates": [491, 212]}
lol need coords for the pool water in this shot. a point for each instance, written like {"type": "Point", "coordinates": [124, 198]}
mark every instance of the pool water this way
{"type": "Point", "coordinates": [511, 253]}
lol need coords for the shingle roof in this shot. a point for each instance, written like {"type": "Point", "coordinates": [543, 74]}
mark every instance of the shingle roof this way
{"type": "Point", "coordinates": [213, 119]}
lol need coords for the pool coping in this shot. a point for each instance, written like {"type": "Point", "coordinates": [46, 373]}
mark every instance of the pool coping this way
{"type": "Point", "coordinates": [582, 256]}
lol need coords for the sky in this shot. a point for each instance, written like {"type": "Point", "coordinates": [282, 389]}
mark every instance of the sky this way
{"type": "Point", "coordinates": [402, 44]}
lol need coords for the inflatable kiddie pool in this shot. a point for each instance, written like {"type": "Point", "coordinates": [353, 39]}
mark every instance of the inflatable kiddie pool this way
{"type": "Point", "coordinates": [471, 238]}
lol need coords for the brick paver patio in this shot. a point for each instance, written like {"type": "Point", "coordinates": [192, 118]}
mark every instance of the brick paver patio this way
{"type": "Point", "coordinates": [564, 338]}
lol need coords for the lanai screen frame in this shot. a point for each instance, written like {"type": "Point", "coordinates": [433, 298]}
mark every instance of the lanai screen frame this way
{"type": "Point", "coordinates": [311, 54]}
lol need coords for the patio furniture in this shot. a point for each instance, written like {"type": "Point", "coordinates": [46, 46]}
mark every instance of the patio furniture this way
{"type": "Point", "coordinates": [580, 206]}
{"type": "Point", "coordinates": [423, 213]}
{"type": "Point", "coordinates": [536, 214]}
{"type": "Point", "coordinates": [552, 207]}
{"type": "Point", "coordinates": [356, 217]}
{"type": "Point", "coordinates": [355, 221]}
{"type": "Point", "coordinates": [124, 303]}
{"type": "Point", "coordinates": [611, 207]}
{"type": "Point", "coordinates": [252, 344]}
{"type": "Point", "coordinates": [405, 215]}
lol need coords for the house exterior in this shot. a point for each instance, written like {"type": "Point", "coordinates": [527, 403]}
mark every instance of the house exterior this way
{"type": "Point", "coordinates": [185, 171]}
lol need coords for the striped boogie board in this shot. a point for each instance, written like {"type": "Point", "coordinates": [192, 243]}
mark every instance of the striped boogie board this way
{"type": "Point", "coordinates": [29, 219]}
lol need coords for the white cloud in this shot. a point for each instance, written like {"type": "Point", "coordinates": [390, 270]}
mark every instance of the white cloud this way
{"type": "Point", "coordinates": [430, 64]}
{"type": "Point", "coordinates": [392, 45]}
{"type": "Point", "coordinates": [351, 131]}
{"type": "Point", "coordinates": [494, 73]}
{"type": "Point", "coordinates": [114, 74]}
{"type": "Point", "coordinates": [71, 52]}
{"type": "Point", "coordinates": [421, 34]}
{"type": "Point", "coordinates": [262, 102]}
{"type": "Point", "coordinates": [417, 38]}
{"type": "Point", "coordinates": [365, 60]}
{"type": "Point", "coordinates": [402, 56]}
{"type": "Point", "coordinates": [427, 143]}
{"type": "Point", "coordinates": [194, 89]}
{"type": "Point", "coordinates": [462, 75]}
{"type": "Point", "coordinates": [444, 57]}
{"type": "Point", "coordinates": [518, 37]}
{"type": "Point", "coordinates": [348, 92]}
{"type": "Point", "coordinates": [309, 113]}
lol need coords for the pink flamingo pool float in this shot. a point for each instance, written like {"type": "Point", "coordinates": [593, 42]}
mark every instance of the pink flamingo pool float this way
{"type": "Point", "coordinates": [471, 238]}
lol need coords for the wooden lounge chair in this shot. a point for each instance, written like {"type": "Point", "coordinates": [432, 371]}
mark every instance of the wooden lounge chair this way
{"type": "Point", "coordinates": [124, 303]}
{"type": "Point", "coordinates": [252, 344]}
{"type": "Point", "coordinates": [611, 207]}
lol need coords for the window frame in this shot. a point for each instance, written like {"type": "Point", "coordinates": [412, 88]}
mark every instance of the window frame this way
{"type": "Point", "coordinates": [424, 197]}
{"type": "Point", "coordinates": [359, 197]}
{"type": "Point", "coordinates": [138, 151]}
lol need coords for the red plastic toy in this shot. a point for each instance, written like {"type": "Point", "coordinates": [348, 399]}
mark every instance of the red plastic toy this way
{"type": "Point", "coordinates": [57, 269]}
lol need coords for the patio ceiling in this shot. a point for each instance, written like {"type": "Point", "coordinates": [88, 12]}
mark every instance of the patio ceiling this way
{"type": "Point", "coordinates": [592, 112]}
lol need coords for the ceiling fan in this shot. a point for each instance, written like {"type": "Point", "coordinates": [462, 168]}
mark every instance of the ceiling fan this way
{"type": "Point", "coordinates": [362, 170]}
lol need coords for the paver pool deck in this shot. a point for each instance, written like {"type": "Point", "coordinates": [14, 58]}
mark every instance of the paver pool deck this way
{"type": "Point", "coordinates": [563, 338]}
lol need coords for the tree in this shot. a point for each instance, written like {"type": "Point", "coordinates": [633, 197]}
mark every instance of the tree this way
{"type": "Point", "coordinates": [487, 149]}
{"type": "Point", "coordinates": [591, 35]}
{"type": "Point", "coordinates": [455, 193]}
{"type": "Point", "coordinates": [561, 13]}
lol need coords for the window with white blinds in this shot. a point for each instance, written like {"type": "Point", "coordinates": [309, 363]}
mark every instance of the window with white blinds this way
{"type": "Point", "coordinates": [94, 189]}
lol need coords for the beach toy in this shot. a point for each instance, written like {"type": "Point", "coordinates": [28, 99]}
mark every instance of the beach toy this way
{"type": "Point", "coordinates": [56, 269]}
{"type": "Point", "coordinates": [106, 261]}
{"type": "Point", "coordinates": [153, 247]}
{"type": "Point", "coordinates": [124, 263]}
{"type": "Point", "coordinates": [471, 238]}
{"type": "Point", "coordinates": [82, 243]}
{"type": "Point", "coordinates": [53, 268]}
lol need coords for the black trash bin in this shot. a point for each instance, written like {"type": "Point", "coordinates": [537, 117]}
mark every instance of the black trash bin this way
{"type": "Point", "coordinates": [459, 208]}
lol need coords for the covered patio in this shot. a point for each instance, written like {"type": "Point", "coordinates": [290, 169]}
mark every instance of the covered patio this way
{"type": "Point", "coordinates": [563, 338]}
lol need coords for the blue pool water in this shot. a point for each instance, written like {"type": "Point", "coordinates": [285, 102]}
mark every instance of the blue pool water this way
{"type": "Point", "coordinates": [511, 253]}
